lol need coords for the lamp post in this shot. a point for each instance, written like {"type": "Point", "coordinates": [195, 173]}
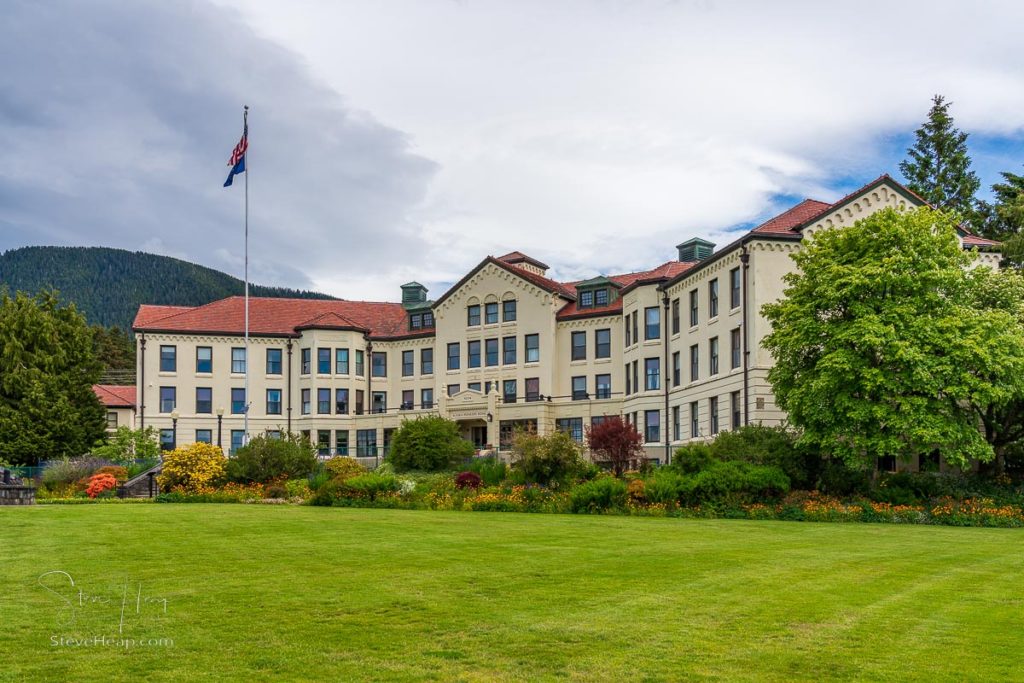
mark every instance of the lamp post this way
{"type": "Point", "coordinates": [174, 428]}
{"type": "Point", "coordinates": [220, 421]}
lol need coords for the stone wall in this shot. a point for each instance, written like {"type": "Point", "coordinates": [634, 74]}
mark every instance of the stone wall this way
{"type": "Point", "coordinates": [17, 495]}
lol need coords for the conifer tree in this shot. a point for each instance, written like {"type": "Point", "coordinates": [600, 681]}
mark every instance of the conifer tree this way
{"type": "Point", "coordinates": [938, 167]}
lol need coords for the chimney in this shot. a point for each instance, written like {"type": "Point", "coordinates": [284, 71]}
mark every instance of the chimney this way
{"type": "Point", "coordinates": [695, 249]}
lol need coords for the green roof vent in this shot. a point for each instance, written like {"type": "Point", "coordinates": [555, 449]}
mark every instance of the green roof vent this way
{"type": "Point", "coordinates": [695, 249]}
{"type": "Point", "coordinates": [413, 293]}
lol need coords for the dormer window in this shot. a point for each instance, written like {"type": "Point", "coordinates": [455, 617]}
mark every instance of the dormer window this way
{"type": "Point", "coordinates": [586, 299]}
{"type": "Point", "coordinates": [428, 319]}
{"type": "Point", "coordinates": [416, 321]}
{"type": "Point", "coordinates": [601, 297]}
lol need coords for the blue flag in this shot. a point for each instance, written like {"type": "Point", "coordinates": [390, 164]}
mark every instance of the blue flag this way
{"type": "Point", "coordinates": [235, 170]}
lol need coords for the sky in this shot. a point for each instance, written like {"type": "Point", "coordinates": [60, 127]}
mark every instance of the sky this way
{"type": "Point", "coordinates": [406, 140]}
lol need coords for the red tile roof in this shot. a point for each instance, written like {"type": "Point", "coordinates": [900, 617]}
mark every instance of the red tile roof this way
{"type": "Point", "coordinates": [789, 219]}
{"type": "Point", "coordinates": [662, 273]}
{"type": "Point", "coordinates": [514, 257]}
{"type": "Point", "coordinates": [115, 396]}
{"type": "Point", "coordinates": [271, 316]}
{"type": "Point", "coordinates": [975, 241]}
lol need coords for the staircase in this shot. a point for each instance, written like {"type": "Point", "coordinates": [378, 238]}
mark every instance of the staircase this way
{"type": "Point", "coordinates": [142, 485]}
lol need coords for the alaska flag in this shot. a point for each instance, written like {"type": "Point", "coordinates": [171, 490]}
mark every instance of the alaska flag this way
{"type": "Point", "coordinates": [237, 160]}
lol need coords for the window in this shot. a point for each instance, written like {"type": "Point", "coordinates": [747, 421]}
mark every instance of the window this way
{"type": "Point", "coordinates": [238, 401]}
{"type": "Point", "coordinates": [694, 363]}
{"type": "Point", "coordinates": [636, 376]}
{"type": "Point", "coordinates": [168, 399]}
{"type": "Point", "coordinates": [426, 399]}
{"type": "Point", "coordinates": [509, 391]}
{"type": "Point", "coordinates": [408, 363]}
{"type": "Point", "coordinates": [341, 361]}
{"type": "Point", "coordinates": [652, 426]}
{"type": "Point", "coordinates": [204, 359]}
{"type": "Point", "coordinates": [675, 423]}
{"type": "Point", "coordinates": [629, 336]}
{"type": "Point", "coordinates": [111, 419]}
{"type": "Point", "coordinates": [305, 402]}
{"type": "Point", "coordinates": [604, 386]}
{"type": "Point", "coordinates": [341, 441]}
{"type": "Point", "coordinates": [323, 361]}
{"type": "Point", "coordinates": [323, 401]}
{"type": "Point", "coordinates": [675, 316]}
{"type": "Point", "coordinates": [629, 385]}
{"type": "Point", "coordinates": [694, 420]}
{"type": "Point", "coordinates": [360, 401]}
{"type": "Point", "coordinates": [734, 288]}
{"type": "Point", "coordinates": [453, 356]}
{"type": "Point", "coordinates": [473, 315]}
{"type": "Point", "coordinates": [713, 298]}
{"type": "Point", "coordinates": [204, 400]}
{"type": "Point", "coordinates": [379, 402]}
{"type": "Point", "coordinates": [734, 343]}
{"type": "Point", "coordinates": [713, 413]}
{"type": "Point", "coordinates": [415, 321]}
{"type": "Point", "coordinates": [453, 389]}
{"type": "Point", "coordinates": [323, 442]}
{"type": "Point", "coordinates": [713, 356]}
{"type": "Point", "coordinates": [508, 351]}
{"type": "Point", "coordinates": [491, 348]}
{"type": "Point", "coordinates": [366, 442]}
{"type": "Point", "coordinates": [508, 313]}
{"type": "Point", "coordinates": [237, 439]}
{"type": "Point", "coordinates": [579, 389]}
{"type": "Point", "coordinates": [579, 346]}
{"type": "Point", "coordinates": [694, 313]}
{"type": "Point", "coordinates": [532, 389]}
{"type": "Point", "coordinates": [305, 366]}
{"type": "Point", "coordinates": [360, 363]}
{"type": "Point", "coordinates": [407, 399]}
{"type": "Point", "coordinates": [734, 399]}
{"type": "Point", "coordinates": [428, 319]}
{"type": "Point", "coordinates": [473, 354]}
{"type": "Point", "coordinates": [204, 436]}
{"type": "Point", "coordinates": [652, 323]}
{"type": "Point", "coordinates": [587, 299]}
{"type": "Point", "coordinates": [273, 361]}
{"type": "Point", "coordinates": [427, 361]}
{"type": "Point", "coordinates": [476, 386]}
{"type": "Point", "coordinates": [676, 369]}
{"type": "Point", "coordinates": [167, 439]}
{"type": "Point", "coordinates": [533, 348]}
{"type": "Point", "coordinates": [603, 343]}
{"type": "Point", "coordinates": [887, 463]}
{"type": "Point", "coordinates": [273, 401]}
{"type": "Point", "coordinates": [168, 359]}
{"type": "Point", "coordinates": [238, 360]}
{"type": "Point", "coordinates": [341, 401]}
{"type": "Point", "coordinates": [273, 433]}
{"type": "Point", "coordinates": [491, 313]}
{"type": "Point", "coordinates": [601, 297]}
{"type": "Point", "coordinates": [652, 373]}
{"type": "Point", "coordinates": [573, 426]}
{"type": "Point", "coordinates": [380, 363]}
{"type": "Point", "coordinates": [597, 420]}
{"type": "Point", "coordinates": [636, 329]}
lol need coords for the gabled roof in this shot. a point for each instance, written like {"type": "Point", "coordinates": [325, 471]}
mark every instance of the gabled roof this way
{"type": "Point", "coordinates": [515, 257]}
{"type": "Point", "coordinates": [627, 281]}
{"type": "Point", "coordinates": [547, 284]}
{"type": "Point", "coordinates": [114, 395]}
{"type": "Point", "coordinates": [281, 317]}
{"type": "Point", "coordinates": [789, 219]}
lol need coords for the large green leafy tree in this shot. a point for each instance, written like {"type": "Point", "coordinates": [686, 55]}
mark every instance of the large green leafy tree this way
{"type": "Point", "coordinates": [938, 167]}
{"type": "Point", "coordinates": [882, 345]}
{"type": "Point", "coordinates": [47, 369]}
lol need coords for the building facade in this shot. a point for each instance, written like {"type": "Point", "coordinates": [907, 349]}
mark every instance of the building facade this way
{"type": "Point", "coordinates": [675, 350]}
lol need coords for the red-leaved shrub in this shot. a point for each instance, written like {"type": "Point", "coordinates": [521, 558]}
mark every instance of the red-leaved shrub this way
{"type": "Point", "coordinates": [468, 480]}
{"type": "Point", "coordinates": [99, 483]}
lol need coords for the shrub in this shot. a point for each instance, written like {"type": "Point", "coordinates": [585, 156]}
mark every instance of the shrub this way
{"type": "Point", "coordinates": [71, 470]}
{"type": "Point", "coordinates": [341, 468]}
{"type": "Point", "coordinates": [193, 469]}
{"type": "Point", "coordinates": [429, 444]}
{"type": "Point", "coordinates": [603, 494]}
{"type": "Point", "coordinates": [100, 484]}
{"type": "Point", "coordinates": [732, 483]}
{"type": "Point", "coordinates": [836, 478]}
{"type": "Point", "coordinates": [275, 491]}
{"type": "Point", "coordinates": [691, 458]}
{"type": "Point", "coordinates": [126, 445]}
{"type": "Point", "coordinates": [491, 470]}
{"type": "Point", "coordinates": [617, 443]}
{"type": "Point", "coordinates": [119, 473]}
{"type": "Point", "coordinates": [326, 494]}
{"type": "Point", "coordinates": [468, 480]}
{"type": "Point", "coordinates": [297, 488]}
{"type": "Point", "coordinates": [662, 488]}
{"type": "Point", "coordinates": [266, 458]}
{"type": "Point", "coordinates": [550, 459]}
{"type": "Point", "coordinates": [371, 486]}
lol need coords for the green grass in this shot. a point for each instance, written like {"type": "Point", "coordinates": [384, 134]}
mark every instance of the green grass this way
{"type": "Point", "coordinates": [299, 593]}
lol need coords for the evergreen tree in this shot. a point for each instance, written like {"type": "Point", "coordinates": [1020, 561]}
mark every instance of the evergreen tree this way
{"type": "Point", "coordinates": [1003, 218]}
{"type": "Point", "coordinates": [47, 368]}
{"type": "Point", "coordinates": [938, 167]}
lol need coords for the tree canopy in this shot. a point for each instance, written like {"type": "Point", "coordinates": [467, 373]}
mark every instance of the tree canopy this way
{"type": "Point", "coordinates": [938, 167]}
{"type": "Point", "coordinates": [47, 368]}
{"type": "Point", "coordinates": [428, 443]}
{"type": "Point", "coordinates": [888, 343]}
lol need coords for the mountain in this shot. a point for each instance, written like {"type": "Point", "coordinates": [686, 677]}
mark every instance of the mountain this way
{"type": "Point", "coordinates": [107, 285]}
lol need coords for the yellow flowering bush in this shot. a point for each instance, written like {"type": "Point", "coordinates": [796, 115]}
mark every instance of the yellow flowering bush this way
{"type": "Point", "coordinates": [196, 468]}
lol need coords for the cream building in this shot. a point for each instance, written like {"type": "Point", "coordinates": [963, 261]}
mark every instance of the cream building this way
{"type": "Point", "coordinates": [675, 349]}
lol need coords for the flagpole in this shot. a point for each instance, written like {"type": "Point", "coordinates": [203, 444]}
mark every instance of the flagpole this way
{"type": "Point", "coordinates": [245, 435]}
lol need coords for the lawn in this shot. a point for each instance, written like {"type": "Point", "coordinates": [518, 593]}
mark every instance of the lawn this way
{"type": "Point", "coordinates": [256, 592]}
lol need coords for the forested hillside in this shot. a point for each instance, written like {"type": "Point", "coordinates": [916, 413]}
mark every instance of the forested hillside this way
{"type": "Point", "coordinates": [107, 285]}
